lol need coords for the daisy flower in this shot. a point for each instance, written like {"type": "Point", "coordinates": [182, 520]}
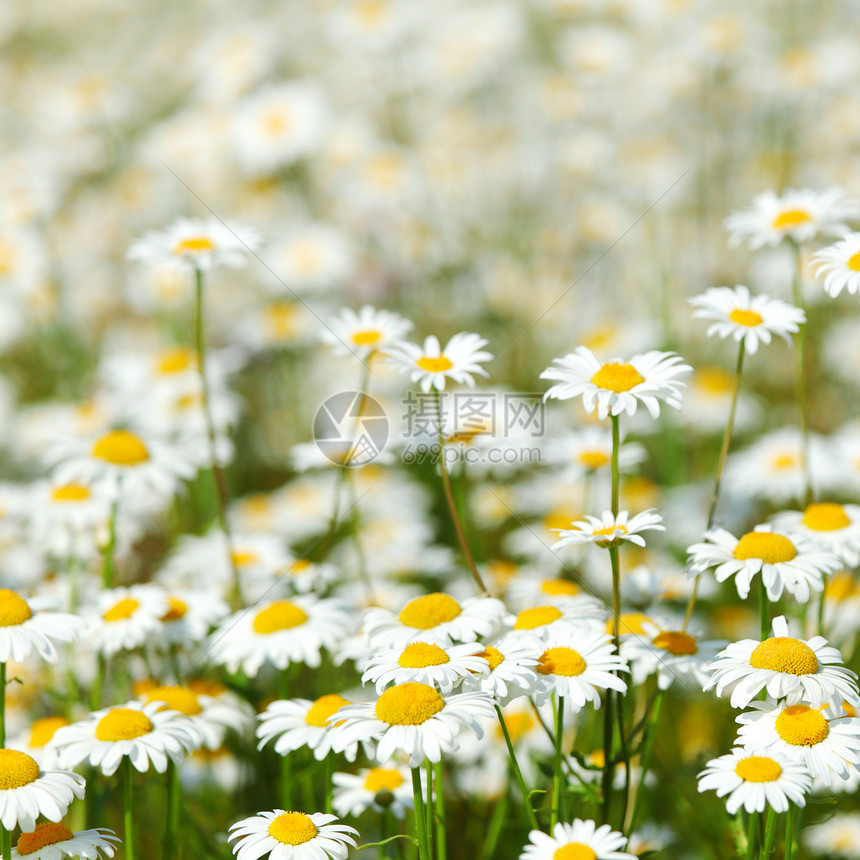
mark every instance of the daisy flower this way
{"type": "Point", "coordinates": [426, 663]}
{"type": "Point", "coordinates": [435, 617]}
{"type": "Point", "coordinates": [792, 669]}
{"type": "Point", "coordinates": [29, 625]}
{"type": "Point", "coordinates": [196, 244]}
{"type": "Point", "coordinates": [189, 618]}
{"type": "Point", "coordinates": [284, 835]}
{"type": "Point", "coordinates": [55, 841]}
{"type": "Point", "coordinates": [540, 621]}
{"type": "Point", "coordinates": [832, 526]}
{"type": "Point", "coordinates": [618, 386]}
{"type": "Point", "coordinates": [147, 734]}
{"type": "Point", "coordinates": [825, 744]}
{"type": "Point", "coordinates": [525, 589]}
{"type": "Point", "coordinates": [431, 366]}
{"type": "Point", "coordinates": [304, 575]}
{"type": "Point", "coordinates": [578, 839]}
{"type": "Point", "coordinates": [413, 719]}
{"type": "Point", "coordinates": [784, 564]}
{"type": "Point", "coordinates": [365, 332]}
{"type": "Point", "coordinates": [129, 618]}
{"type": "Point", "coordinates": [297, 723]}
{"type": "Point", "coordinates": [838, 836]}
{"type": "Point", "coordinates": [387, 787]}
{"type": "Point", "coordinates": [797, 214]}
{"type": "Point", "coordinates": [838, 266]}
{"type": "Point", "coordinates": [575, 665]}
{"type": "Point", "coordinates": [609, 530]}
{"type": "Point", "coordinates": [589, 450]}
{"type": "Point", "coordinates": [512, 667]}
{"type": "Point", "coordinates": [751, 319]}
{"type": "Point", "coordinates": [28, 792]}
{"type": "Point", "coordinates": [281, 632]}
{"type": "Point", "coordinates": [755, 779]}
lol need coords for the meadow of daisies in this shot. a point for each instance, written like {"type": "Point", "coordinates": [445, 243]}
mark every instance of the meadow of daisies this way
{"type": "Point", "coordinates": [429, 431]}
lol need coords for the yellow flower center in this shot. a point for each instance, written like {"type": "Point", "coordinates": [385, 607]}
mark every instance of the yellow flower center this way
{"type": "Point", "coordinates": [194, 245]}
{"type": "Point", "coordinates": [242, 557]}
{"type": "Point", "coordinates": [593, 459]}
{"type": "Point", "coordinates": [176, 699]}
{"type": "Point", "coordinates": [557, 587]}
{"type": "Point", "coordinates": [122, 610]}
{"type": "Point", "coordinates": [178, 609]}
{"type": "Point", "coordinates": [299, 566]}
{"type": "Point", "coordinates": [783, 654]}
{"type": "Point", "coordinates": [121, 448]}
{"type": "Point", "coordinates": [175, 361]}
{"type": "Point", "coordinates": [713, 380]}
{"type": "Point", "coordinates": [123, 724]}
{"type": "Point", "coordinates": [538, 616]}
{"type": "Point", "coordinates": [854, 262]}
{"type": "Point", "coordinates": [14, 610]}
{"type": "Point", "coordinates": [383, 779]}
{"type": "Point", "coordinates": [42, 730]}
{"type": "Point", "coordinates": [281, 318]}
{"type": "Point", "coordinates": [365, 338]}
{"type": "Point", "coordinates": [629, 622]}
{"type": "Point", "coordinates": [421, 654]}
{"type": "Point", "coordinates": [434, 365]}
{"type": "Point", "coordinates": [292, 828]}
{"type": "Point", "coordinates": [801, 726]}
{"type": "Point", "coordinates": [841, 587]}
{"type": "Point", "coordinates": [791, 218]}
{"type": "Point", "coordinates": [574, 851]}
{"type": "Point", "coordinates": [850, 710]}
{"type": "Point", "coordinates": [617, 376]}
{"type": "Point", "coordinates": [597, 759]}
{"type": "Point", "coordinates": [747, 318]}
{"type": "Point", "coordinates": [429, 611]}
{"type": "Point", "coordinates": [16, 769]}
{"type": "Point", "coordinates": [758, 768]}
{"type": "Point", "coordinates": [784, 462]}
{"type": "Point", "coordinates": [676, 642]}
{"type": "Point", "coordinates": [561, 661]}
{"type": "Point", "coordinates": [409, 704]}
{"type": "Point", "coordinates": [558, 521]}
{"type": "Point", "coordinates": [770, 548]}
{"type": "Point", "coordinates": [70, 493]}
{"type": "Point", "coordinates": [825, 517]}
{"type": "Point", "coordinates": [281, 615]}
{"type": "Point", "coordinates": [493, 656]}
{"type": "Point", "coordinates": [44, 835]}
{"type": "Point", "coordinates": [616, 527]}
{"type": "Point", "coordinates": [319, 712]}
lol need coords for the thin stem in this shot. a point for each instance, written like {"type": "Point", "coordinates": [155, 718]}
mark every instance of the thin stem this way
{"type": "Point", "coordinates": [752, 831]}
{"type": "Point", "coordinates": [619, 709]}
{"type": "Point", "coordinates": [428, 769]}
{"type": "Point", "coordinates": [518, 774]}
{"type": "Point", "coordinates": [329, 769]}
{"type": "Point", "coordinates": [789, 831]}
{"type": "Point", "coordinates": [420, 815]}
{"type": "Point", "coordinates": [108, 564]}
{"type": "Point", "coordinates": [452, 507]}
{"type": "Point", "coordinates": [801, 379]}
{"type": "Point", "coordinates": [221, 490]}
{"type": "Point", "coordinates": [128, 808]}
{"type": "Point", "coordinates": [3, 704]}
{"type": "Point", "coordinates": [5, 843]}
{"type": "Point", "coordinates": [174, 794]}
{"type": "Point", "coordinates": [616, 475]}
{"type": "Point", "coordinates": [384, 821]}
{"type": "Point", "coordinates": [556, 770]}
{"type": "Point", "coordinates": [769, 833]}
{"type": "Point", "coordinates": [764, 607]}
{"type": "Point", "coordinates": [721, 462]}
{"type": "Point", "coordinates": [821, 606]}
{"type": "Point", "coordinates": [441, 847]}
{"type": "Point", "coordinates": [646, 759]}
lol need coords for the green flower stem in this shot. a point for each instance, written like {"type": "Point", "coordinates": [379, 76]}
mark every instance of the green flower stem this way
{"type": "Point", "coordinates": [441, 847]}
{"type": "Point", "coordinates": [420, 815]}
{"type": "Point", "coordinates": [128, 808]}
{"type": "Point", "coordinates": [518, 774]}
{"type": "Point", "coordinates": [718, 478]}
{"type": "Point", "coordinates": [764, 608]}
{"type": "Point", "coordinates": [221, 490]}
{"type": "Point", "coordinates": [174, 796]}
{"type": "Point", "coordinates": [5, 842]}
{"type": "Point", "coordinates": [769, 833]}
{"type": "Point", "coordinates": [801, 379]}
{"type": "Point", "coordinates": [752, 832]}
{"type": "Point", "coordinates": [452, 507]}
{"type": "Point", "coordinates": [789, 831]}
{"type": "Point", "coordinates": [384, 826]}
{"type": "Point", "coordinates": [108, 563]}
{"type": "Point", "coordinates": [2, 705]}
{"type": "Point", "coordinates": [556, 770]}
{"type": "Point", "coordinates": [646, 759]}
{"type": "Point", "coordinates": [428, 808]}
{"type": "Point", "coordinates": [328, 765]}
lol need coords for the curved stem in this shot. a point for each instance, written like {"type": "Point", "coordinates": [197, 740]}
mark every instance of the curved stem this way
{"type": "Point", "coordinates": [556, 770]}
{"type": "Point", "coordinates": [518, 774]}
{"type": "Point", "coordinates": [646, 759]}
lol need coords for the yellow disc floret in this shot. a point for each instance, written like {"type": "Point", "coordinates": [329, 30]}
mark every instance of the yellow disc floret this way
{"type": "Point", "coordinates": [538, 616]}
{"type": "Point", "coordinates": [194, 245]}
{"type": "Point", "coordinates": [561, 661]}
{"type": "Point", "coordinates": [745, 318]}
{"type": "Point", "coordinates": [617, 376]}
{"type": "Point", "coordinates": [319, 712]}
{"type": "Point", "coordinates": [44, 835]}
{"type": "Point", "coordinates": [574, 851]}
{"type": "Point", "coordinates": [854, 262]}
{"type": "Point", "coordinates": [367, 337]}
{"type": "Point", "coordinates": [676, 642]}
{"type": "Point", "coordinates": [123, 724]}
{"type": "Point", "coordinates": [176, 699]}
{"type": "Point", "coordinates": [593, 459]}
{"type": "Point", "coordinates": [43, 729]}
{"type": "Point", "coordinates": [14, 610]}
{"type": "Point", "coordinates": [629, 622]}
{"type": "Point", "coordinates": [428, 611]}
{"type": "Point", "coordinates": [756, 768]}
{"type": "Point", "coordinates": [16, 769]}
{"type": "Point", "coordinates": [434, 365]}
{"type": "Point", "coordinates": [784, 654]}
{"type": "Point", "coordinates": [409, 704]}
{"type": "Point", "coordinates": [770, 548]}
{"type": "Point", "coordinates": [293, 828]}
{"type": "Point", "coordinates": [177, 609]}
{"type": "Point", "coordinates": [175, 361]}
{"type": "Point", "coordinates": [493, 656]}
{"type": "Point", "coordinates": [70, 493]}
{"type": "Point", "coordinates": [556, 587]}
{"type": "Point", "coordinates": [801, 726]}
{"type": "Point", "coordinates": [825, 517]}
{"type": "Point", "coordinates": [383, 779]}
{"type": "Point", "coordinates": [280, 615]}
{"type": "Point", "coordinates": [791, 218]}
{"type": "Point", "coordinates": [121, 448]}
{"type": "Point", "coordinates": [418, 655]}
{"type": "Point", "coordinates": [122, 610]}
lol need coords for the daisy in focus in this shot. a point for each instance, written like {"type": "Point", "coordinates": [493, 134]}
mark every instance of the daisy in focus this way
{"type": "Point", "coordinates": [425, 663]}
{"type": "Point", "coordinates": [365, 332]}
{"type": "Point", "coordinates": [834, 527]}
{"type": "Point", "coordinates": [609, 530]}
{"type": "Point", "coordinates": [512, 667]}
{"type": "Point", "coordinates": [579, 839]}
{"type": "Point", "coordinates": [296, 723]}
{"type": "Point", "coordinates": [755, 779]}
{"type": "Point", "coordinates": [55, 841]}
{"type": "Point", "coordinates": [29, 625]}
{"type": "Point", "coordinates": [784, 564]}
{"type": "Point", "coordinates": [618, 386]}
{"type": "Point", "coordinates": [797, 214]}
{"type": "Point", "coordinates": [295, 835]}
{"type": "Point", "coordinates": [388, 786]}
{"type": "Point", "coordinates": [838, 266]}
{"type": "Point", "coordinates": [545, 619]}
{"type": "Point", "coordinates": [430, 365]}
{"type": "Point", "coordinates": [751, 319]}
